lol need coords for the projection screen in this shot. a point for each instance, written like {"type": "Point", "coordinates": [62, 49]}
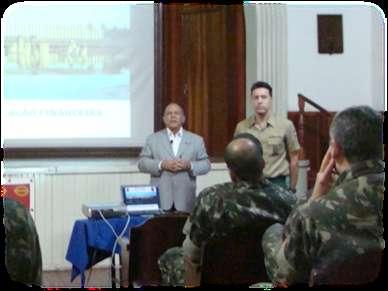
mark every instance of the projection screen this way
{"type": "Point", "coordinates": [77, 74]}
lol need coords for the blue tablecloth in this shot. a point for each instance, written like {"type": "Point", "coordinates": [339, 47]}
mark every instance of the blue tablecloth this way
{"type": "Point", "coordinates": [94, 234]}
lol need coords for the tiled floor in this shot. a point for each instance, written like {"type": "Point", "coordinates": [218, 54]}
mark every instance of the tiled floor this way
{"type": "Point", "coordinates": [99, 277]}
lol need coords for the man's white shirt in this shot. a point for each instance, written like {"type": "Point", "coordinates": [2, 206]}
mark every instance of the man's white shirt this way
{"type": "Point", "coordinates": [175, 139]}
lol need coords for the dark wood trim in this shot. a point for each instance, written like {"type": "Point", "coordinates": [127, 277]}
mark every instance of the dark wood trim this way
{"type": "Point", "coordinates": [237, 111]}
{"type": "Point", "coordinates": [213, 103]}
{"type": "Point", "coordinates": [303, 99]}
{"type": "Point", "coordinates": [315, 140]}
{"type": "Point", "coordinates": [50, 153]}
{"type": "Point", "coordinates": [158, 65]}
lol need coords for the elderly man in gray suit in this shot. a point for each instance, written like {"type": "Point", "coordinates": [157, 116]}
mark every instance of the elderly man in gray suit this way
{"type": "Point", "coordinates": [174, 157]}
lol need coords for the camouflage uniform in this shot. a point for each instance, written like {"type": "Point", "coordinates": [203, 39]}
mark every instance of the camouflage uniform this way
{"type": "Point", "coordinates": [22, 255]}
{"type": "Point", "coordinates": [344, 223]}
{"type": "Point", "coordinates": [218, 211]}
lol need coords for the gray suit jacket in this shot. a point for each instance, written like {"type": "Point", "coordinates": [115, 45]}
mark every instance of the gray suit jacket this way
{"type": "Point", "coordinates": [176, 187]}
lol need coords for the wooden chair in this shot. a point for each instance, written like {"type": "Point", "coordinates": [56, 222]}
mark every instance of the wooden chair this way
{"type": "Point", "coordinates": [361, 270]}
{"type": "Point", "coordinates": [148, 242]}
{"type": "Point", "coordinates": [236, 259]}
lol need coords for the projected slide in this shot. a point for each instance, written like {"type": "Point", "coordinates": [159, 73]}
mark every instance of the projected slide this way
{"type": "Point", "coordinates": [67, 70]}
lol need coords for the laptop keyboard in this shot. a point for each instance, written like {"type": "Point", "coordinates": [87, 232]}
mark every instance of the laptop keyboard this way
{"type": "Point", "coordinates": [142, 207]}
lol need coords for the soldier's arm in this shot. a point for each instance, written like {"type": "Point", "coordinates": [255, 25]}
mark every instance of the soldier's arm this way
{"type": "Point", "coordinates": [197, 233]}
{"type": "Point", "coordinates": [192, 256]}
{"type": "Point", "coordinates": [293, 148]}
{"type": "Point", "coordinates": [24, 264]}
{"type": "Point", "coordinates": [294, 158]}
{"type": "Point", "coordinates": [202, 217]}
{"type": "Point", "coordinates": [237, 130]}
{"type": "Point", "coordinates": [324, 178]}
{"type": "Point", "coordinates": [191, 251]}
{"type": "Point", "coordinates": [287, 251]}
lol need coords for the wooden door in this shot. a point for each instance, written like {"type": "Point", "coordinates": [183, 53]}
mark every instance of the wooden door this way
{"type": "Point", "coordinates": [201, 66]}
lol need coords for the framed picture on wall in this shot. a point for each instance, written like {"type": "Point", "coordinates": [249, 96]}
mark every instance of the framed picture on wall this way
{"type": "Point", "coordinates": [330, 34]}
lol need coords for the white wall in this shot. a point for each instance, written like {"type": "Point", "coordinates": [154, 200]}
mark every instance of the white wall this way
{"type": "Point", "coordinates": [378, 61]}
{"type": "Point", "coordinates": [356, 76]}
{"type": "Point", "coordinates": [250, 53]}
{"type": "Point", "coordinates": [338, 80]}
{"type": "Point", "coordinates": [62, 186]}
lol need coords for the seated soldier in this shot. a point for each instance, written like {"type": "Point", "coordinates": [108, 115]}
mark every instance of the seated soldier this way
{"type": "Point", "coordinates": [219, 210]}
{"type": "Point", "coordinates": [23, 258]}
{"type": "Point", "coordinates": [343, 217]}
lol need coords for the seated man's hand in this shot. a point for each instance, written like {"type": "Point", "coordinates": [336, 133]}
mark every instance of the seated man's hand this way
{"type": "Point", "coordinates": [325, 176]}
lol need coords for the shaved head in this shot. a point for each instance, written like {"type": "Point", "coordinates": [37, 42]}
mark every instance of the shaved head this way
{"type": "Point", "coordinates": [173, 106]}
{"type": "Point", "coordinates": [244, 158]}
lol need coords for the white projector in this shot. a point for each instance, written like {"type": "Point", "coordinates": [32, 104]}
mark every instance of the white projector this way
{"type": "Point", "coordinates": [107, 210]}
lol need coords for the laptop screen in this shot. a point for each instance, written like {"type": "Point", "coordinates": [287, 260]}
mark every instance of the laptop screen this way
{"type": "Point", "coordinates": [141, 197]}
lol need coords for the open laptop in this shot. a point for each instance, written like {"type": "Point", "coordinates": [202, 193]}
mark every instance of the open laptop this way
{"type": "Point", "coordinates": [141, 199]}
{"type": "Point", "coordinates": [136, 200]}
